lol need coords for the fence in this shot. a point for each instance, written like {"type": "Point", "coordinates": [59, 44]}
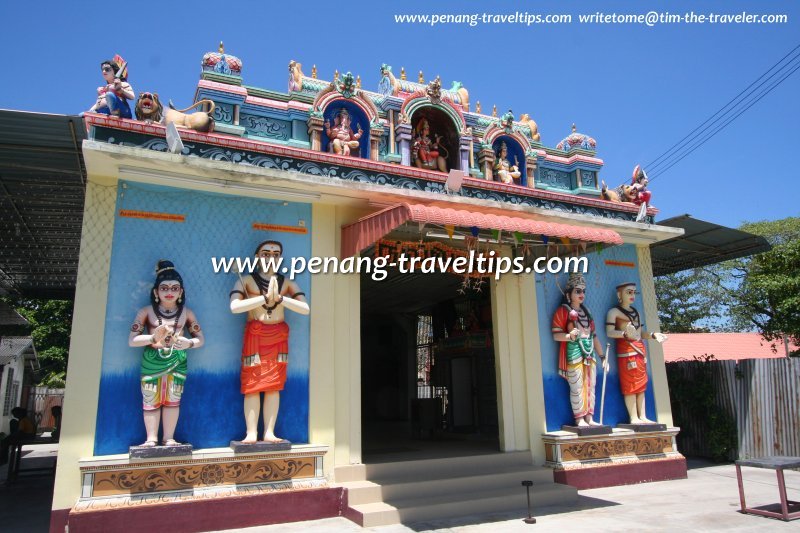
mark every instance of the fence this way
{"type": "Point", "coordinates": [39, 401]}
{"type": "Point", "coordinates": [730, 409]}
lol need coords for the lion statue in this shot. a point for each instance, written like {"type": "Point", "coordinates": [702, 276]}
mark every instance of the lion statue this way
{"type": "Point", "coordinates": [149, 108]}
{"type": "Point", "coordinates": [622, 194]}
{"type": "Point", "coordinates": [202, 121]}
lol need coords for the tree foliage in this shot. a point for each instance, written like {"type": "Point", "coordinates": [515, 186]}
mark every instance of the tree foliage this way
{"type": "Point", "coordinates": [760, 292]}
{"type": "Point", "coordinates": [50, 327]}
{"type": "Point", "coordinates": [689, 303]}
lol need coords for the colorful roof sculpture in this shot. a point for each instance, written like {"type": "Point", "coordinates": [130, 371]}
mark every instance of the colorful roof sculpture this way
{"type": "Point", "coordinates": [577, 140]}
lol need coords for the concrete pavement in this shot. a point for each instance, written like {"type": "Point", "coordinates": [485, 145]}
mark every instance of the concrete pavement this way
{"type": "Point", "coordinates": [707, 501]}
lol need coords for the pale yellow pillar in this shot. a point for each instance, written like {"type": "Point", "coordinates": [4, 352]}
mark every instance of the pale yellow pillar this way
{"type": "Point", "coordinates": [511, 352]}
{"type": "Point", "coordinates": [347, 349]}
{"type": "Point", "coordinates": [86, 342]}
{"type": "Point", "coordinates": [322, 363]}
{"type": "Point", "coordinates": [335, 365]}
{"type": "Point", "coordinates": [655, 350]}
{"type": "Point", "coordinates": [532, 355]}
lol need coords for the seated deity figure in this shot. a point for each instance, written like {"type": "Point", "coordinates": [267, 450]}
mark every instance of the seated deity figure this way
{"type": "Point", "coordinates": [503, 169]}
{"type": "Point", "coordinates": [342, 138]}
{"type": "Point", "coordinates": [265, 295]}
{"type": "Point", "coordinates": [624, 324]}
{"type": "Point", "coordinates": [113, 97]}
{"type": "Point", "coordinates": [573, 328]}
{"type": "Point", "coordinates": [159, 328]}
{"type": "Point", "coordinates": [427, 153]}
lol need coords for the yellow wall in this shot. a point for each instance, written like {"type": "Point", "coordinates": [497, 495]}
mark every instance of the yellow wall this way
{"type": "Point", "coordinates": [86, 342]}
{"type": "Point", "coordinates": [335, 371]}
{"type": "Point", "coordinates": [658, 367]}
{"type": "Point", "coordinates": [520, 391]}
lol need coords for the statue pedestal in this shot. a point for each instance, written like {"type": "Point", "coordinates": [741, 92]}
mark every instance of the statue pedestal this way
{"type": "Point", "coordinates": [218, 487]}
{"type": "Point", "coordinates": [644, 428]}
{"type": "Point", "coordinates": [587, 431]}
{"type": "Point", "coordinates": [157, 452]}
{"type": "Point", "coordinates": [257, 447]}
{"type": "Point", "coordinates": [622, 457]}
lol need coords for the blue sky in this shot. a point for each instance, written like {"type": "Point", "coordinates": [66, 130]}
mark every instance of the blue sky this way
{"type": "Point", "coordinates": [636, 89]}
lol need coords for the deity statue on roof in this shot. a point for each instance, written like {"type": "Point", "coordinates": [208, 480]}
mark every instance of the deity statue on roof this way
{"type": "Point", "coordinates": [342, 138]}
{"type": "Point", "coordinates": [639, 182]}
{"type": "Point", "coordinates": [573, 328]}
{"type": "Point", "coordinates": [503, 169]}
{"type": "Point", "coordinates": [428, 153]}
{"type": "Point", "coordinates": [624, 324]}
{"type": "Point", "coordinates": [113, 96]}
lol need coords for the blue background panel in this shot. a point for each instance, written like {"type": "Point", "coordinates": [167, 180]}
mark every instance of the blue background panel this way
{"type": "Point", "coordinates": [215, 225]}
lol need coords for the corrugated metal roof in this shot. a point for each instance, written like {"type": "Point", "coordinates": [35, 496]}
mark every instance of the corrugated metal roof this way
{"type": "Point", "coordinates": [42, 189]}
{"type": "Point", "coordinates": [703, 243]}
{"type": "Point", "coordinates": [10, 317]}
{"type": "Point", "coordinates": [13, 347]}
{"type": "Point", "coordinates": [685, 346]}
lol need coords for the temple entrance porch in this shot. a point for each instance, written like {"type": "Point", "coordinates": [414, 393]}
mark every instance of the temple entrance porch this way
{"type": "Point", "coordinates": [428, 386]}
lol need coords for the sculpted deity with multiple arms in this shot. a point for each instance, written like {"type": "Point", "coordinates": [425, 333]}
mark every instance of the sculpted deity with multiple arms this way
{"type": "Point", "coordinates": [624, 324]}
{"type": "Point", "coordinates": [159, 328]}
{"type": "Point", "coordinates": [573, 328]}
{"type": "Point", "coordinates": [342, 138]}
{"type": "Point", "coordinates": [264, 295]}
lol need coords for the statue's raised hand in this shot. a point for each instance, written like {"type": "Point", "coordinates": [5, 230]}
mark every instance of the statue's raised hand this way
{"type": "Point", "coordinates": [659, 337]}
{"type": "Point", "coordinates": [631, 333]}
{"type": "Point", "coordinates": [160, 334]}
{"type": "Point", "coordinates": [272, 290]}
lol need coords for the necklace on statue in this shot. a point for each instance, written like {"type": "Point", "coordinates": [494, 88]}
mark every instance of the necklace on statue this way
{"type": "Point", "coordinates": [168, 339]}
{"type": "Point", "coordinates": [632, 315]}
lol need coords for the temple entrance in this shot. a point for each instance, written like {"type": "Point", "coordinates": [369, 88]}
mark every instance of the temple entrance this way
{"type": "Point", "coordinates": [428, 386]}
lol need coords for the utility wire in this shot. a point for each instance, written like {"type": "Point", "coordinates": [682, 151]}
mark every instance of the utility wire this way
{"type": "Point", "coordinates": [733, 109]}
{"type": "Point", "coordinates": [723, 126]}
{"type": "Point", "coordinates": [655, 163]}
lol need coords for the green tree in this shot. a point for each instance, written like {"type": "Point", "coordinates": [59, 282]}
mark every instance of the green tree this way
{"type": "Point", "coordinates": [688, 302]}
{"type": "Point", "coordinates": [768, 296]}
{"type": "Point", "coordinates": [50, 326]}
{"type": "Point", "coordinates": [760, 292]}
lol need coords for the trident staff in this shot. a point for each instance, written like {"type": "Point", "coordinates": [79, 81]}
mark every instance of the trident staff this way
{"type": "Point", "coordinates": [605, 375]}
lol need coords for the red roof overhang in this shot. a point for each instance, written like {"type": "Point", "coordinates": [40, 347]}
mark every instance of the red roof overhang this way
{"type": "Point", "coordinates": [367, 230]}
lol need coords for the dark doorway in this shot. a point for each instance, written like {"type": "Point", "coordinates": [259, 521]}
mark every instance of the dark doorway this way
{"type": "Point", "coordinates": [427, 367]}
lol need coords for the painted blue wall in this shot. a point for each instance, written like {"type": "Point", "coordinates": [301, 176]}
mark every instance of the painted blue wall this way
{"type": "Point", "coordinates": [601, 295]}
{"type": "Point", "coordinates": [215, 225]}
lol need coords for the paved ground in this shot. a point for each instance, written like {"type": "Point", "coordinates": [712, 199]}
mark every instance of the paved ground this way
{"type": "Point", "coordinates": [25, 504]}
{"type": "Point", "coordinates": [707, 501]}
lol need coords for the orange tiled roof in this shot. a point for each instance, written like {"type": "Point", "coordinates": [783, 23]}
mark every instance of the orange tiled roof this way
{"type": "Point", "coordinates": [683, 346]}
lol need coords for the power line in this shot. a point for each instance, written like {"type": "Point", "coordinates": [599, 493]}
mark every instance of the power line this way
{"type": "Point", "coordinates": [722, 116]}
{"type": "Point", "coordinates": [691, 135]}
{"type": "Point", "coordinates": [723, 126]}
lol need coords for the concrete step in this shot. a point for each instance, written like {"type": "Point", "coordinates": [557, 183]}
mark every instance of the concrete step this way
{"type": "Point", "coordinates": [387, 490]}
{"type": "Point", "coordinates": [431, 468]}
{"type": "Point", "coordinates": [454, 504]}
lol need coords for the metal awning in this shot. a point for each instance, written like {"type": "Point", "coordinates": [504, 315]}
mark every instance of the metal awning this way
{"type": "Point", "coordinates": [703, 243]}
{"type": "Point", "coordinates": [367, 230]}
{"type": "Point", "coordinates": [42, 190]}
